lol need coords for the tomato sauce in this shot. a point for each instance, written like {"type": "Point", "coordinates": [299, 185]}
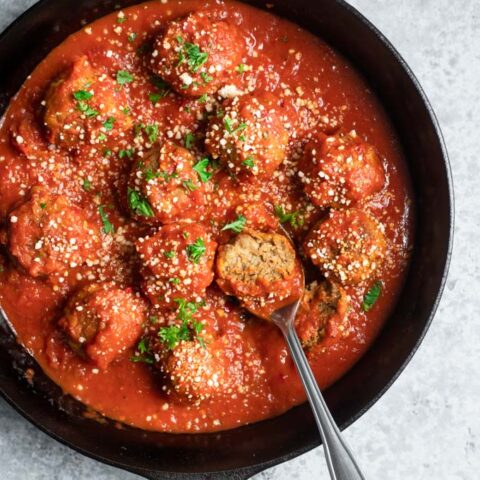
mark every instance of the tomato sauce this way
{"type": "Point", "coordinates": [281, 58]}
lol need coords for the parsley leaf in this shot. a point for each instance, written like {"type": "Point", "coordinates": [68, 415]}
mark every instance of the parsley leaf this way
{"type": "Point", "coordinates": [170, 254]}
{"type": "Point", "coordinates": [126, 153]}
{"type": "Point", "coordinates": [240, 68]}
{"type": "Point", "coordinates": [189, 185]}
{"type": "Point", "coordinates": [124, 77]}
{"type": "Point", "coordinates": [139, 204]}
{"type": "Point", "coordinates": [192, 54]}
{"type": "Point", "coordinates": [82, 95]}
{"type": "Point", "coordinates": [189, 140]}
{"type": "Point", "coordinates": [108, 124]}
{"type": "Point", "coordinates": [107, 226]}
{"type": "Point", "coordinates": [371, 296]}
{"type": "Point", "coordinates": [236, 226]}
{"type": "Point", "coordinates": [201, 169]}
{"type": "Point", "coordinates": [86, 109]}
{"type": "Point", "coordinates": [132, 36]}
{"type": "Point", "coordinates": [152, 132]}
{"type": "Point", "coordinates": [86, 184]}
{"type": "Point", "coordinates": [293, 217]}
{"type": "Point", "coordinates": [196, 250]}
{"type": "Point", "coordinates": [249, 162]}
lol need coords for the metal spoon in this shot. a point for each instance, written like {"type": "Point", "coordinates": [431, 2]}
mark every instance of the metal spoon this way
{"type": "Point", "coordinates": [340, 460]}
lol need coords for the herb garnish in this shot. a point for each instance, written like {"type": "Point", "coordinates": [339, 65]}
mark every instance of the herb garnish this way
{"type": "Point", "coordinates": [82, 95]}
{"type": "Point", "coordinates": [86, 184]}
{"type": "Point", "coordinates": [196, 250]}
{"type": "Point", "coordinates": [189, 140]}
{"type": "Point", "coordinates": [189, 185]}
{"type": "Point", "coordinates": [139, 204]}
{"type": "Point", "coordinates": [124, 77]}
{"type": "Point", "coordinates": [236, 226]}
{"type": "Point", "coordinates": [126, 153]}
{"type": "Point", "coordinates": [371, 296]}
{"type": "Point", "coordinates": [108, 124]}
{"type": "Point", "coordinates": [107, 226]}
{"type": "Point", "coordinates": [249, 162]}
{"type": "Point", "coordinates": [170, 254]}
{"type": "Point", "coordinates": [201, 169]}
{"type": "Point", "coordinates": [192, 54]}
{"type": "Point", "coordinates": [145, 355]}
{"type": "Point", "coordinates": [152, 132]}
{"type": "Point", "coordinates": [240, 68]}
{"type": "Point", "coordinates": [293, 217]}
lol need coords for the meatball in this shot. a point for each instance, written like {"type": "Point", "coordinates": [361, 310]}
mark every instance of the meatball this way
{"type": "Point", "coordinates": [199, 372]}
{"type": "Point", "coordinates": [198, 54]}
{"type": "Point", "coordinates": [102, 320]}
{"type": "Point", "coordinates": [249, 137]}
{"type": "Point", "coordinates": [323, 314]}
{"type": "Point", "coordinates": [164, 187]}
{"type": "Point", "coordinates": [48, 234]}
{"type": "Point", "coordinates": [339, 171]}
{"type": "Point", "coordinates": [261, 269]}
{"type": "Point", "coordinates": [348, 246]}
{"type": "Point", "coordinates": [85, 105]}
{"type": "Point", "coordinates": [177, 263]}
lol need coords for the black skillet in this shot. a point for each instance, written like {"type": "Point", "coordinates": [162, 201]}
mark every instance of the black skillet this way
{"type": "Point", "coordinates": [240, 453]}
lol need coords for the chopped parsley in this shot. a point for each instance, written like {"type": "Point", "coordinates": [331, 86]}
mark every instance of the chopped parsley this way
{"type": "Point", "coordinates": [170, 254]}
{"type": "Point", "coordinates": [107, 153]}
{"type": "Point", "coordinates": [143, 354]}
{"type": "Point", "coordinates": [139, 204]}
{"type": "Point", "coordinates": [101, 137]}
{"type": "Point", "coordinates": [249, 162]}
{"type": "Point", "coordinates": [189, 140]}
{"type": "Point", "coordinates": [162, 89]}
{"type": "Point", "coordinates": [107, 226]}
{"type": "Point", "coordinates": [151, 132]}
{"type": "Point", "coordinates": [132, 36]}
{"type": "Point", "coordinates": [293, 217]}
{"type": "Point", "coordinates": [82, 95]}
{"type": "Point", "coordinates": [187, 330]}
{"type": "Point", "coordinates": [240, 68]}
{"type": "Point", "coordinates": [189, 185]}
{"type": "Point", "coordinates": [196, 250]}
{"type": "Point", "coordinates": [371, 296]}
{"type": "Point", "coordinates": [205, 77]}
{"type": "Point", "coordinates": [174, 281]}
{"type": "Point", "coordinates": [125, 111]}
{"type": "Point", "coordinates": [201, 169]}
{"type": "Point", "coordinates": [155, 97]}
{"type": "Point", "coordinates": [126, 153]}
{"type": "Point", "coordinates": [108, 124]}
{"type": "Point", "coordinates": [236, 226]}
{"type": "Point", "coordinates": [192, 54]}
{"type": "Point", "coordinates": [228, 123]}
{"type": "Point", "coordinates": [43, 206]}
{"type": "Point", "coordinates": [121, 19]}
{"type": "Point", "coordinates": [88, 111]}
{"type": "Point", "coordinates": [203, 98]}
{"type": "Point", "coordinates": [124, 77]}
{"type": "Point", "coordinates": [86, 184]}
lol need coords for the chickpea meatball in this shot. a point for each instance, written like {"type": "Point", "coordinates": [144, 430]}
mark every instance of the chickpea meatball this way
{"type": "Point", "coordinates": [250, 137]}
{"type": "Point", "coordinates": [102, 320]}
{"type": "Point", "coordinates": [341, 170]}
{"type": "Point", "coordinates": [261, 269]}
{"type": "Point", "coordinates": [198, 54]}
{"type": "Point", "coordinates": [85, 105]}
{"type": "Point", "coordinates": [177, 263]}
{"type": "Point", "coordinates": [48, 234]}
{"type": "Point", "coordinates": [199, 372]}
{"type": "Point", "coordinates": [323, 314]}
{"type": "Point", "coordinates": [164, 187]}
{"type": "Point", "coordinates": [348, 246]}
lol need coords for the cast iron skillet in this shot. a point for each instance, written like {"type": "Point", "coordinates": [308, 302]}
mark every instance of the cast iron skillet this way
{"type": "Point", "coordinates": [240, 453]}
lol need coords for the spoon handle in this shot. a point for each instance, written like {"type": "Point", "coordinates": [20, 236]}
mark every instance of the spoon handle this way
{"type": "Point", "coordinates": [340, 461]}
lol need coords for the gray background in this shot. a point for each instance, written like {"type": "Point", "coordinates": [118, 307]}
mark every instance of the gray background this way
{"type": "Point", "coordinates": [428, 424]}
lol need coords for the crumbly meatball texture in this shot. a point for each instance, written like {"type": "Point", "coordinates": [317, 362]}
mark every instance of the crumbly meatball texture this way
{"type": "Point", "coordinates": [348, 246]}
{"type": "Point", "coordinates": [261, 269]}
{"type": "Point", "coordinates": [198, 54]}
{"type": "Point", "coordinates": [101, 321]}
{"type": "Point", "coordinates": [339, 171]}
{"type": "Point", "coordinates": [323, 314]}
{"type": "Point", "coordinates": [249, 136]}
{"type": "Point", "coordinates": [85, 105]}
{"type": "Point", "coordinates": [177, 262]}
{"type": "Point", "coordinates": [48, 234]}
{"type": "Point", "coordinates": [164, 187]}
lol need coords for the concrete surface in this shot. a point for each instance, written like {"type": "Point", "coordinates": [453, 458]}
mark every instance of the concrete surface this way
{"type": "Point", "coordinates": [428, 425]}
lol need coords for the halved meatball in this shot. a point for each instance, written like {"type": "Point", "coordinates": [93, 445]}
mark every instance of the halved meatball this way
{"type": "Point", "coordinates": [339, 171]}
{"type": "Point", "coordinates": [261, 269]}
{"type": "Point", "coordinates": [198, 54]}
{"type": "Point", "coordinates": [348, 246]}
{"type": "Point", "coordinates": [177, 263]}
{"type": "Point", "coordinates": [85, 105]}
{"type": "Point", "coordinates": [250, 136]}
{"type": "Point", "coordinates": [103, 320]}
{"type": "Point", "coordinates": [164, 187]}
{"type": "Point", "coordinates": [48, 234]}
{"type": "Point", "coordinates": [323, 314]}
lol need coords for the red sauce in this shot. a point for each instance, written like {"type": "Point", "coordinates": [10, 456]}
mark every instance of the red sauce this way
{"type": "Point", "coordinates": [280, 58]}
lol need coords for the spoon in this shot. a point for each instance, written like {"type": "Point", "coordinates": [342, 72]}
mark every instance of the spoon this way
{"type": "Point", "coordinates": [340, 461]}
